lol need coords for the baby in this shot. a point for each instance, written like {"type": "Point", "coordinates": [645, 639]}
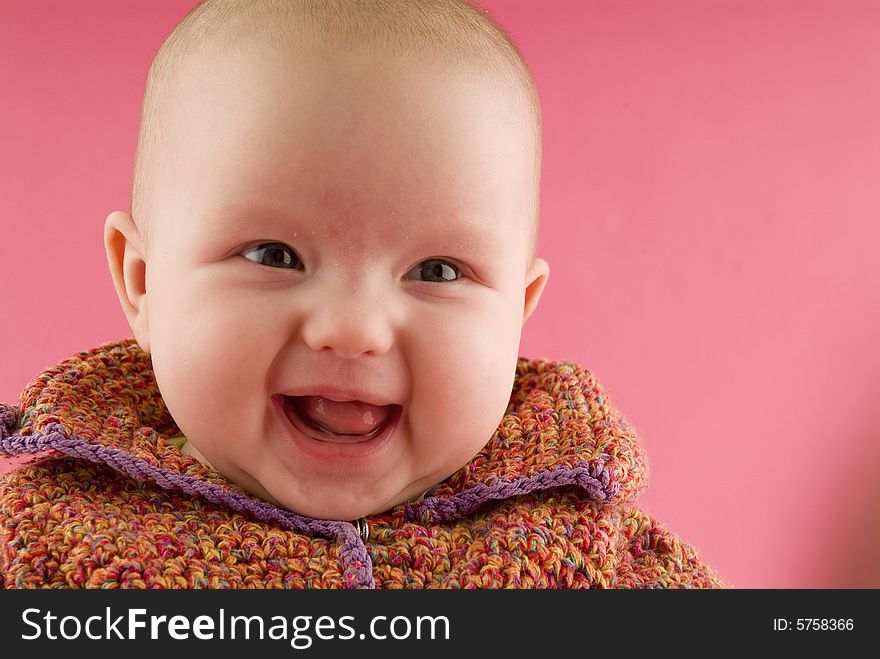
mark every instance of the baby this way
{"type": "Point", "coordinates": [326, 270]}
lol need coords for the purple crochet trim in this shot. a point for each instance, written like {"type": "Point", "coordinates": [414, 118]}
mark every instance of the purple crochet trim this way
{"type": "Point", "coordinates": [595, 480]}
{"type": "Point", "coordinates": [357, 565]}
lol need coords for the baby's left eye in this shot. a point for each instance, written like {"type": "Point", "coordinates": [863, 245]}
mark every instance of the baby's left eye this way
{"type": "Point", "coordinates": [280, 256]}
{"type": "Point", "coordinates": [434, 270]}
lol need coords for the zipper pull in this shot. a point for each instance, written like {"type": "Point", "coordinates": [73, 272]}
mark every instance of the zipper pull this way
{"type": "Point", "coordinates": [363, 528]}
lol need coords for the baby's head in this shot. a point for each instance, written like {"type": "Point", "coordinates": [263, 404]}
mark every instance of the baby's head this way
{"type": "Point", "coordinates": [330, 254]}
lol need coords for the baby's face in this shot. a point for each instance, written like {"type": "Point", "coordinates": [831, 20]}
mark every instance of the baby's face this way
{"type": "Point", "coordinates": [338, 275]}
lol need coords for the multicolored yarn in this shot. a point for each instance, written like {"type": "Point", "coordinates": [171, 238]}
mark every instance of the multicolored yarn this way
{"type": "Point", "coordinates": [547, 503]}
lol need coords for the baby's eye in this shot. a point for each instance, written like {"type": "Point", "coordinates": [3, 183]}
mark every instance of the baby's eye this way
{"type": "Point", "coordinates": [276, 255]}
{"type": "Point", "coordinates": [434, 270]}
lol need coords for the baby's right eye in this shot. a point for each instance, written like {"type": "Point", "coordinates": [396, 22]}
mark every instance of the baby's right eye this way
{"type": "Point", "coordinates": [275, 255]}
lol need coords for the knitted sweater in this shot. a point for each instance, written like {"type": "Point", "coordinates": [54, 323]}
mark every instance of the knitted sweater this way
{"type": "Point", "coordinates": [547, 503]}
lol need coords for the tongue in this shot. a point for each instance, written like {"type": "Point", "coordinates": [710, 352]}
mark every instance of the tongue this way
{"type": "Point", "coordinates": [348, 417]}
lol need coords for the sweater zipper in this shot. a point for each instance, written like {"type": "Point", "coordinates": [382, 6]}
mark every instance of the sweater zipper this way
{"type": "Point", "coordinates": [363, 528]}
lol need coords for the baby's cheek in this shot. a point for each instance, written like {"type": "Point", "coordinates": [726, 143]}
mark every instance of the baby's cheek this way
{"type": "Point", "coordinates": [460, 394]}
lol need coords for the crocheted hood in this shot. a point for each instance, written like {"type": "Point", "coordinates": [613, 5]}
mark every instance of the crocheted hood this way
{"type": "Point", "coordinates": [559, 430]}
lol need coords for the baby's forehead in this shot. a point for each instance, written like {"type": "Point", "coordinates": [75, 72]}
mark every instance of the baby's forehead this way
{"type": "Point", "coordinates": [309, 38]}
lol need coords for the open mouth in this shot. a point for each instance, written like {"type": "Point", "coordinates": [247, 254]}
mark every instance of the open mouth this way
{"type": "Point", "coordinates": [334, 421]}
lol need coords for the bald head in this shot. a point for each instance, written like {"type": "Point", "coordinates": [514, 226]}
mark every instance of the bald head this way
{"type": "Point", "coordinates": [217, 32]}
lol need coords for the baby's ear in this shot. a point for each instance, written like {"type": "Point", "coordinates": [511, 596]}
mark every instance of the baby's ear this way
{"type": "Point", "coordinates": [536, 278]}
{"type": "Point", "coordinates": [128, 267]}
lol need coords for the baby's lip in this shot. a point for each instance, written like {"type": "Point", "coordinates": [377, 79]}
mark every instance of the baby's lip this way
{"type": "Point", "coordinates": [340, 394]}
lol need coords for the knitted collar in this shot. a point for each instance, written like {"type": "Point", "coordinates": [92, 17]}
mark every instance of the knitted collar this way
{"type": "Point", "coordinates": [559, 430]}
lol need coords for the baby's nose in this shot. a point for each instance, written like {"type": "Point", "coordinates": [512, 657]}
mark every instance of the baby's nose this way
{"type": "Point", "coordinates": [350, 325]}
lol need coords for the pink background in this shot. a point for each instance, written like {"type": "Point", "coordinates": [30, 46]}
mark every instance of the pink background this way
{"type": "Point", "coordinates": [710, 178]}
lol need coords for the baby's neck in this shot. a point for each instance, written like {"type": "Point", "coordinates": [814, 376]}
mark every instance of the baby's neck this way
{"type": "Point", "coordinates": [190, 449]}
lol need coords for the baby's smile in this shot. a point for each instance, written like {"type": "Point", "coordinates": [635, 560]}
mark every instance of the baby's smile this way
{"type": "Point", "coordinates": [331, 431]}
